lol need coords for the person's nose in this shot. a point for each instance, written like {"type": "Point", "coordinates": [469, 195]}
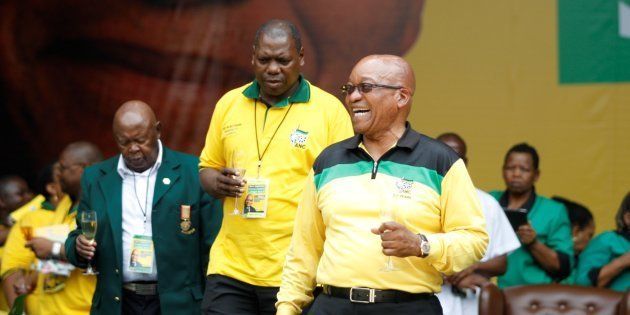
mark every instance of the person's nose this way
{"type": "Point", "coordinates": [134, 148]}
{"type": "Point", "coordinates": [273, 68]}
{"type": "Point", "coordinates": [355, 95]}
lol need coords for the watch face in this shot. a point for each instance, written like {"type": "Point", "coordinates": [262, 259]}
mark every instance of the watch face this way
{"type": "Point", "coordinates": [425, 248]}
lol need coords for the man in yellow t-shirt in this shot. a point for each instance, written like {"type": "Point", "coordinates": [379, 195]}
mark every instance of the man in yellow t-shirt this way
{"type": "Point", "coordinates": [271, 131]}
{"type": "Point", "coordinates": [73, 294]}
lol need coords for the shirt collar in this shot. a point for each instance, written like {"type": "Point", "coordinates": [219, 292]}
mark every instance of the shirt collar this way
{"type": "Point", "coordinates": [301, 95]}
{"type": "Point", "coordinates": [123, 170]}
{"type": "Point", "coordinates": [408, 140]}
{"type": "Point", "coordinates": [528, 205]}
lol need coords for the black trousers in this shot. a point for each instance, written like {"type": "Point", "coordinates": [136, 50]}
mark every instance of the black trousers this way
{"type": "Point", "coordinates": [227, 296]}
{"type": "Point", "coordinates": [329, 305]}
{"type": "Point", "coordinates": [136, 304]}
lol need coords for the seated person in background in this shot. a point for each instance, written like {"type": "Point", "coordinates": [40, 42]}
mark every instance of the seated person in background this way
{"type": "Point", "coordinates": [582, 228]}
{"type": "Point", "coordinates": [546, 253]}
{"type": "Point", "coordinates": [455, 298]}
{"type": "Point", "coordinates": [605, 262]}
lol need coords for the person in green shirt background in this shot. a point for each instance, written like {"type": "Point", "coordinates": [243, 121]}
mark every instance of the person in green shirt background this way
{"type": "Point", "coordinates": [546, 254]}
{"type": "Point", "coordinates": [605, 262]}
{"type": "Point", "coordinates": [582, 229]}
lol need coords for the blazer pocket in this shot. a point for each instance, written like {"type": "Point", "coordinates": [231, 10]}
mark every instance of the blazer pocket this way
{"type": "Point", "coordinates": [196, 292]}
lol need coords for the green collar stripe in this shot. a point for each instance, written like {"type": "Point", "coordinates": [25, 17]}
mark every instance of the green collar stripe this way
{"type": "Point", "coordinates": [422, 175]}
{"type": "Point", "coordinates": [301, 95]}
{"type": "Point", "coordinates": [342, 170]}
{"type": "Point", "coordinates": [74, 209]}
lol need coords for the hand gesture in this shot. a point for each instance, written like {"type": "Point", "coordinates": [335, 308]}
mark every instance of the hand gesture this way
{"type": "Point", "coordinates": [397, 240]}
{"type": "Point", "coordinates": [526, 234]}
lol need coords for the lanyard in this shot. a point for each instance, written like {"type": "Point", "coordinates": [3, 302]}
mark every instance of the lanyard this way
{"type": "Point", "coordinates": [260, 156]}
{"type": "Point", "coordinates": [146, 195]}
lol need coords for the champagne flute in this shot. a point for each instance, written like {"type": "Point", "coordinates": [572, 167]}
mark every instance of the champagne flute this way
{"type": "Point", "coordinates": [88, 226]}
{"type": "Point", "coordinates": [238, 164]}
{"type": "Point", "coordinates": [387, 214]}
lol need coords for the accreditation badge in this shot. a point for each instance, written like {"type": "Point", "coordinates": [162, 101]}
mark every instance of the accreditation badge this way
{"type": "Point", "coordinates": [142, 254]}
{"type": "Point", "coordinates": [256, 198]}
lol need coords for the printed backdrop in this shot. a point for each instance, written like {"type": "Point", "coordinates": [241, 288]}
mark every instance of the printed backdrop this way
{"type": "Point", "coordinates": [552, 73]}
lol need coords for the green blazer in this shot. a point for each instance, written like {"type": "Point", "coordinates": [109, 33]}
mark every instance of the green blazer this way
{"type": "Point", "coordinates": [181, 258]}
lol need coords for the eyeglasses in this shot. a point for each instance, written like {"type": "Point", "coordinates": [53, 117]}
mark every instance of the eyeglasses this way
{"type": "Point", "coordinates": [366, 87]}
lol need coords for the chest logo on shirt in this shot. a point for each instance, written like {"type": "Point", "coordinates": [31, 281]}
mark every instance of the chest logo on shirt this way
{"type": "Point", "coordinates": [404, 187]}
{"type": "Point", "coordinates": [298, 138]}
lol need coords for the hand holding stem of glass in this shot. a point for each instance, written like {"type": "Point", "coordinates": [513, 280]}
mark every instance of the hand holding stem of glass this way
{"type": "Point", "coordinates": [88, 227]}
{"type": "Point", "coordinates": [388, 214]}
{"type": "Point", "coordinates": [238, 164]}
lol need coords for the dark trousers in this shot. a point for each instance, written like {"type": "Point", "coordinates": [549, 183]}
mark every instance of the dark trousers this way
{"type": "Point", "coordinates": [329, 305]}
{"type": "Point", "coordinates": [136, 304]}
{"type": "Point", "coordinates": [227, 296]}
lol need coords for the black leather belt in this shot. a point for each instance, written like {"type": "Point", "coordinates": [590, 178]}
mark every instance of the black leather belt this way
{"type": "Point", "coordinates": [367, 295]}
{"type": "Point", "coordinates": [140, 288]}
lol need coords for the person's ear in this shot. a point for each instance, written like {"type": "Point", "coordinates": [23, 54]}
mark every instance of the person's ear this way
{"type": "Point", "coordinates": [403, 97]}
{"type": "Point", "coordinates": [253, 54]}
{"type": "Point", "coordinates": [158, 128]}
{"type": "Point", "coordinates": [301, 53]}
{"type": "Point", "coordinates": [536, 175]}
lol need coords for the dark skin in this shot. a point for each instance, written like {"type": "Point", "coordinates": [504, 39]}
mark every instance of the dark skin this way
{"type": "Point", "coordinates": [136, 132]}
{"type": "Point", "coordinates": [276, 63]}
{"type": "Point", "coordinates": [520, 175]}
{"type": "Point", "coordinates": [14, 193]}
{"type": "Point", "coordinates": [477, 274]}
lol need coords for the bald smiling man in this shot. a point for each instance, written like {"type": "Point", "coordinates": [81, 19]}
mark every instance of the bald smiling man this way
{"type": "Point", "coordinates": [385, 213]}
{"type": "Point", "coordinates": [148, 202]}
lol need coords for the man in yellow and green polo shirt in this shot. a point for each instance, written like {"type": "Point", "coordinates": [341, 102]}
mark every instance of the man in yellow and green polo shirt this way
{"type": "Point", "coordinates": [271, 131]}
{"type": "Point", "coordinates": [385, 214]}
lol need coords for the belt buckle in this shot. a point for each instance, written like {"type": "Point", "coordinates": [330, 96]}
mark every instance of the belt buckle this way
{"type": "Point", "coordinates": [370, 295]}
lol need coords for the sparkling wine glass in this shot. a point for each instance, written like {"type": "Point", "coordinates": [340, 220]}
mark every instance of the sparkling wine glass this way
{"type": "Point", "coordinates": [88, 226]}
{"type": "Point", "coordinates": [387, 214]}
{"type": "Point", "coordinates": [238, 164]}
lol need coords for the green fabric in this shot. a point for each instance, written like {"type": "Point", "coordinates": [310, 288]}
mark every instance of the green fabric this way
{"type": "Point", "coordinates": [601, 251]}
{"type": "Point", "coordinates": [181, 258]}
{"type": "Point", "coordinates": [418, 174]}
{"type": "Point", "coordinates": [301, 95]}
{"type": "Point", "coordinates": [18, 305]}
{"type": "Point", "coordinates": [551, 223]}
{"type": "Point", "coordinates": [46, 205]}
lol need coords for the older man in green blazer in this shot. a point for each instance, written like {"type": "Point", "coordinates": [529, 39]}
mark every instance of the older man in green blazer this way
{"type": "Point", "coordinates": [155, 223]}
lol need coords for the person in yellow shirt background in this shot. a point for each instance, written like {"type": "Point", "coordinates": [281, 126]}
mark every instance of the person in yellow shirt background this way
{"type": "Point", "coordinates": [63, 295]}
{"type": "Point", "coordinates": [14, 193]}
{"type": "Point", "coordinates": [17, 268]}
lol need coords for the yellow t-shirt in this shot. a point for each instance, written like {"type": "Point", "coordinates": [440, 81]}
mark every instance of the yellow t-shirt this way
{"type": "Point", "coordinates": [18, 257]}
{"type": "Point", "coordinates": [289, 136]}
{"type": "Point", "coordinates": [76, 291]}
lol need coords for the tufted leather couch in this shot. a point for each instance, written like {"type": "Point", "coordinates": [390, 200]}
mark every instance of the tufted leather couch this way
{"type": "Point", "coordinates": [552, 299]}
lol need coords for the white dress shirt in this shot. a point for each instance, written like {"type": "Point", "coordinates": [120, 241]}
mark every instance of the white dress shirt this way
{"type": "Point", "coordinates": [503, 240]}
{"type": "Point", "coordinates": [137, 201]}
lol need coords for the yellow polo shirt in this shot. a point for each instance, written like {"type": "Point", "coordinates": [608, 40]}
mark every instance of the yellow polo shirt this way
{"type": "Point", "coordinates": [253, 250]}
{"type": "Point", "coordinates": [420, 183]}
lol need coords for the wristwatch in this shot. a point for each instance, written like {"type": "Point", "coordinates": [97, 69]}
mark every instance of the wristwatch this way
{"type": "Point", "coordinates": [55, 252]}
{"type": "Point", "coordinates": [424, 246]}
